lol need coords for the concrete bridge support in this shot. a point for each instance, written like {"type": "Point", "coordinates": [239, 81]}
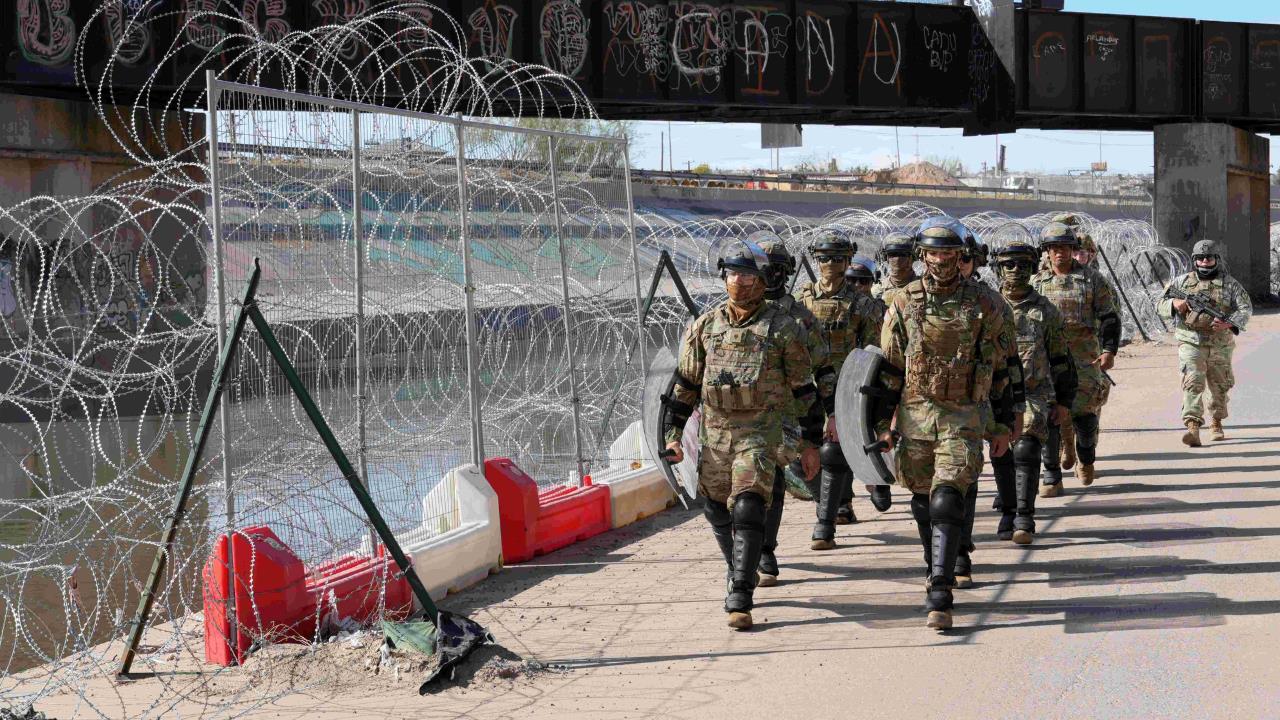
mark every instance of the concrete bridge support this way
{"type": "Point", "coordinates": [1212, 182]}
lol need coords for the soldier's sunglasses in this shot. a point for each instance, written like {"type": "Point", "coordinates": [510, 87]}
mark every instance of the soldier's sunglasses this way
{"type": "Point", "coordinates": [1015, 264]}
{"type": "Point", "coordinates": [824, 259]}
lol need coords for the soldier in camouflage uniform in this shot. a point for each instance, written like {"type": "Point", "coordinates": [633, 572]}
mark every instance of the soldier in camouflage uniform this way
{"type": "Point", "coordinates": [1206, 344]}
{"type": "Point", "coordinates": [847, 321]}
{"type": "Point", "coordinates": [972, 259]}
{"type": "Point", "coordinates": [1092, 321]}
{"type": "Point", "coordinates": [1050, 386]}
{"type": "Point", "coordinates": [897, 255]}
{"type": "Point", "coordinates": [746, 363]}
{"type": "Point", "coordinates": [940, 340]}
{"type": "Point", "coordinates": [781, 267]}
{"type": "Point", "coordinates": [860, 275]}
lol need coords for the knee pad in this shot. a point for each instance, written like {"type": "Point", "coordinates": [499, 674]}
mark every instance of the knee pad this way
{"type": "Point", "coordinates": [1026, 450]}
{"type": "Point", "coordinates": [716, 513]}
{"type": "Point", "coordinates": [946, 506]}
{"type": "Point", "coordinates": [779, 485]}
{"type": "Point", "coordinates": [748, 510]}
{"type": "Point", "coordinates": [832, 456]}
{"type": "Point", "coordinates": [1086, 430]}
{"type": "Point", "coordinates": [1003, 462]}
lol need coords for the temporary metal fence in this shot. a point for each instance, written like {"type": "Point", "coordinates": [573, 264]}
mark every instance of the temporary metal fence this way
{"type": "Point", "coordinates": [452, 290]}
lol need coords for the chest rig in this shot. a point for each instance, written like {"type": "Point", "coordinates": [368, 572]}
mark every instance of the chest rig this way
{"type": "Point", "coordinates": [738, 364]}
{"type": "Point", "coordinates": [837, 317]}
{"type": "Point", "coordinates": [1215, 290]}
{"type": "Point", "coordinates": [943, 356]}
{"type": "Point", "coordinates": [1073, 295]}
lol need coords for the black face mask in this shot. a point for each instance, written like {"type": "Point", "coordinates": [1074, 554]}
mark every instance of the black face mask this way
{"type": "Point", "coordinates": [1207, 273]}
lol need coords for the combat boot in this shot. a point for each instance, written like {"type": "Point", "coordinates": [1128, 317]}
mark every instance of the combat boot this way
{"type": "Point", "coordinates": [1068, 445]}
{"type": "Point", "coordinates": [1191, 438]}
{"type": "Point", "coordinates": [1003, 469]}
{"type": "Point", "coordinates": [1052, 485]}
{"type": "Point", "coordinates": [881, 497]}
{"type": "Point", "coordinates": [830, 487]}
{"type": "Point", "coordinates": [1085, 474]}
{"type": "Point", "coordinates": [1216, 433]}
{"type": "Point", "coordinates": [748, 541]}
{"type": "Point", "coordinates": [845, 515]}
{"type": "Point", "coordinates": [946, 510]}
{"type": "Point", "coordinates": [1026, 463]}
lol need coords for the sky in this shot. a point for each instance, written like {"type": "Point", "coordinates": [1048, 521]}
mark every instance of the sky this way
{"type": "Point", "coordinates": [737, 145]}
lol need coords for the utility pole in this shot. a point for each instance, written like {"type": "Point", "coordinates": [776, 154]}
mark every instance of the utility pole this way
{"type": "Point", "coordinates": [671, 163]}
{"type": "Point", "coordinates": [662, 146]}
{"type": "Point", "coordinates": [897, 143]}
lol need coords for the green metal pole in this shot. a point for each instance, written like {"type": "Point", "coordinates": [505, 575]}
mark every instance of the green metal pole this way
{"type": "Point", "coordinates": [344, 465]}
{"type": "Point", "coordinates": [148, 598]}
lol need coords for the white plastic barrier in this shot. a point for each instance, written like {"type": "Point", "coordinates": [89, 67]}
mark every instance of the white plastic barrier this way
{"type": "Point", "coordinates": [636, 486]}
{"type": "Point", "coordinates": [464, 555]}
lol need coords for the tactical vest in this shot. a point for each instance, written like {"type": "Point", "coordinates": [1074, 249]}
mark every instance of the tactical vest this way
{"type": "Point", "coordinates": [1074, 296]}
{"type": "Point", "coordinates": [942, 357]}
{"type": "Point", "coordinates": [1032, 348]}
{"type": "Point", "coordinates": [1215, 289]}
{"type": "Point", "coordinates": [838, 319]}
{"type": "Point", "coordinates": [737, 364]}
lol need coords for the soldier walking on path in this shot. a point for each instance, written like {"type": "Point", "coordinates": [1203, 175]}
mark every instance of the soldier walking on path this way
{"type": "Point", "coordinates": [847, 320]}
{"type": "Point", "coordinates": [941, 361]}
{"type": "Point", "coordinates": [781, 266]}
{"type": "Point", "coordinates": [897, 256]}
{"type": "Point", "coordinates": [1092, 322]}
{"type": "Point", "coordinates": [1049, 378]}
{"type": "Point", "coordinates": [1206, 343]}
{"type": "Point", "coordinates": [746, 362]}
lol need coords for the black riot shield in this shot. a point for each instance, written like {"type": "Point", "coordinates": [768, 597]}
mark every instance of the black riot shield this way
{"type": "Point", "coordinates": [682, 477]}
{"type": "Point", "coordinates": [855, 412]}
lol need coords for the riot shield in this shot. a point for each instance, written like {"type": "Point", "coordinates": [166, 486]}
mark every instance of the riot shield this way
{"type": "Point", "coordinates": [683, 478]}
{"type": "Point", "coordinates": [855, 408]}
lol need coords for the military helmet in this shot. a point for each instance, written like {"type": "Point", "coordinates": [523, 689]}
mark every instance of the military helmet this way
{"type": "Point", "coordinates": [1056, 233]}
{"type": "Point", "coordinates": [781, 263]}
{"type": "Point", "coordinates": [974, 251]}
{"type": "Point", "coordinates": [1087, 243]}
{"type": "Point", "coordinates": [1205, 248]}
{"type": "Point", "coordinates": [1017, 249]}
{"type": "Point", "coordinates": [1066, 218]}
{"type": "Point", "coordinates": [744, 256]}
{"type": "Point", "coordinates": [832, 243]}
{"type": "Point", "coordinates": [896, 243]}
{"type": "Point", "coordinates": [941, 233]}
{"type": "Point", "coordinates": [860, 269]}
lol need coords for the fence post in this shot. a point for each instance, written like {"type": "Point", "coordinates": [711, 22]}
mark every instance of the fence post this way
{"type": "Point", "coordinates": [362, 364]}
{"type": "Point", "coordinates": [468, 293]}
{"type": "Point", "coordinates": [224, 410]}
{"type": "Point", "coordinates": [568, 321]}
{"type": "Point", "coordinates": [635, 261]}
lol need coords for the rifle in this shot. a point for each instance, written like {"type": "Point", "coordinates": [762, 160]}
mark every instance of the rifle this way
{"type": "Point", "coordinates": [1201, 303]}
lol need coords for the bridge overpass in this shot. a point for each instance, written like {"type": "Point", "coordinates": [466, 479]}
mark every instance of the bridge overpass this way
{"type": "Point", "coordinates": [1207, 89]}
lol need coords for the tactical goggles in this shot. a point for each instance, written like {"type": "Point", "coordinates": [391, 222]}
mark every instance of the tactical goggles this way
{"type": "Point", "coordinates": [823, 259]}
{"type": "Point", "coordinates": [1016, 263]}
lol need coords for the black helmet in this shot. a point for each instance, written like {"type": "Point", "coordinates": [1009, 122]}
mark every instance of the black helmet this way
{"type": "Point", "coordinates": [1017, 249]}
{"type": "Point", "coordinates": [896, 243]}
{"type": "Point", "coordinates": [781, 264]}
{"type": "Point", "coordinates": [975, 252]}
{"type": "Point", "coordinates": [941, 233]}
{"type": "Point", "coordinates": [743, 256]}
{"type": "Point", "coordinates": [832, 242]}
{"type": "Point", "coordinates": [860, 269]}
{"type": "Point", "coordinates": [1056, 233]}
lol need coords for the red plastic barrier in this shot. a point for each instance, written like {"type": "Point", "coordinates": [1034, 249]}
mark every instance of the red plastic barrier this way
{"type": "Point", "coordinates": [533, 522]}
{"type": "Point", "coordinates": [277, 596]}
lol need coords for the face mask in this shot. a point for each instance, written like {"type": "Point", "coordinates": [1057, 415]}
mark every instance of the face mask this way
{"type": "Point", "coordinates": [1208, 273]}
{"type": "Point", "coordinates": [945, 269]}
{"type": "Point", "coordinates": [830, 272]}
{"type": "Point", "coordinates": [1015, 280]}
{"type": "Point", "coordinates": [899, 267]}
{"type": "Point", "coordinates": [746, 295]}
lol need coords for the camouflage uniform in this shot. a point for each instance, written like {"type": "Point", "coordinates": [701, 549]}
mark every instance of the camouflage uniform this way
{"type": "Point", "coordinates": [1050, 380]}
{"type": "Point", "coordinates": [748, 377]}
{"type": "Point", "coordinates": [847, 320]}
{"type": "Point", "coordinates": [1091, 320]}
{"type": "Point", "coordinates": [1205, 354]}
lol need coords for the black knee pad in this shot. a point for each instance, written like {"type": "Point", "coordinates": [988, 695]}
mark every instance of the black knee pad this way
{"type": "Point", "coordinates": [920, 507]}
{"type": "Point", "coordinates": [1004, 462]}
{"type": "Point", "coordinates": [716, 513]}
{"type": "Point", "coordinates": [946, 506]}
{"type": "Point", "coordinates": [832, 456]}
{"type": "Point", "coordinates": [1026, 450]}
{"type": "Point", "coordinates": [1086, 430]}
{"type": "Point", "coordinates": [748, 510]}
